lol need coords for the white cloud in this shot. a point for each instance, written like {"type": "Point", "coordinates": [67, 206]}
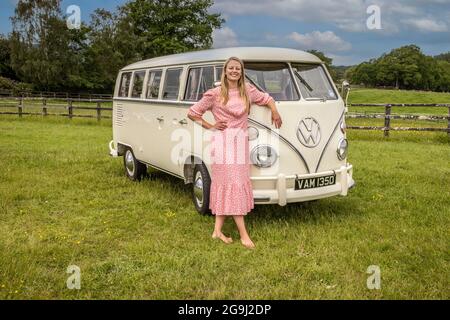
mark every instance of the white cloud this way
{"type": "Point", "coordinates": [301, 10]}
{"type": "Point", "coordinates": [347, 15]}
{"type": "Point", "coordinates": [427, 25]}
{"type": "Point", "coordinates": [224, 37]}
{"type": "Point", "coordinates": [324, 41]}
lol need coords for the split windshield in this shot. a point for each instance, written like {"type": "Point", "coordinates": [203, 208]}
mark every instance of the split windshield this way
{"type": "Point", "coordinates": [278, 81]}
{"type": "Point", "coordinates": [273, 78]}
{"type": "Point", "coordinates": [313, 82]}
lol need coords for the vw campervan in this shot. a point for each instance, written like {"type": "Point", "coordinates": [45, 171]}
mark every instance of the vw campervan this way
{"type": "Point", "coordinates": [305, 159]}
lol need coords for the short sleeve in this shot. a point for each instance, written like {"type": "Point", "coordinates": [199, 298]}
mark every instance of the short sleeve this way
{"type": "Point", "coordinates": [204, 104]}
{"type": "Point", "coordinates": [258, 97]}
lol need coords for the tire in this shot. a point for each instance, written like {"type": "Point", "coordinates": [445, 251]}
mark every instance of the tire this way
{"type": "Point", "coordinates": [134, 169]}
{"type": "Point", "coordinates": [200, 189]}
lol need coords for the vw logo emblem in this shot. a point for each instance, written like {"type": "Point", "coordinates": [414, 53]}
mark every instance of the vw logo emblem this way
{"type": "Point", "coordinates": [308, 132]}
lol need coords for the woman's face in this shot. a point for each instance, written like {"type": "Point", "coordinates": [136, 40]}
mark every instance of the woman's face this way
{"type": "Point", "coordinates": [233, 70]}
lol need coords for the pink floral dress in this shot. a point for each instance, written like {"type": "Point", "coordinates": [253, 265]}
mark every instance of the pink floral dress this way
{"type": "Point", "coordinates": [231, 190]}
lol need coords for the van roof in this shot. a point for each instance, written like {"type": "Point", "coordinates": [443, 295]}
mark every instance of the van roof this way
{"type": "Point", "coordinates": [243, 53]}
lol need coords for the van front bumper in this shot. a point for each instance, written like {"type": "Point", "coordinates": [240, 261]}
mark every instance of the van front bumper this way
{"type": "Point", "coordinates": [283, 194]}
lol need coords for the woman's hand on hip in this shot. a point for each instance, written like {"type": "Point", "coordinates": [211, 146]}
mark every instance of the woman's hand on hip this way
{"type": "Point", "coordinates": [220, 125]}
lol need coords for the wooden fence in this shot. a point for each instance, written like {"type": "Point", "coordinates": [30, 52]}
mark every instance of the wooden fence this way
{"type": "Point", "coordinates": [387, 117]}
{"type": "Point", "coordinates": [57, 103]}
{"type": "Point", "coordinates": [97, 108]}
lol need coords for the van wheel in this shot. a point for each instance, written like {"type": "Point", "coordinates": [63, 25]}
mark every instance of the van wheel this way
{"type": "Point", "coordinates": [134, 169]}
{"type": "Point", "coordinates": [200, 189]}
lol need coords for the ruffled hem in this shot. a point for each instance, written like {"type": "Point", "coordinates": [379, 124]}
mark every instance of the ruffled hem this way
{"type": "Point", "coordinates": [231, 199]}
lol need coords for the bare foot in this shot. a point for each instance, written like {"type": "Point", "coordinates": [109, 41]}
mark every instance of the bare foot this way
{"type": "Point", "coordinates": [248, 243]}
{"type": "Point", "coordinates": [222, 237]}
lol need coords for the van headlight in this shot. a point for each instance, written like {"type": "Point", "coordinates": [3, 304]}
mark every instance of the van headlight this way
{"type": "Point", "coordinates": [342, 149]}
{"type": "Point", "coordinates": [263, 156]}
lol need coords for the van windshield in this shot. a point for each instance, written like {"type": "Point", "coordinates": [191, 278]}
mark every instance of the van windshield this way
{"type": "Point", "coordinates": [313, 82]}
{"type": "Point", "coordinates": [274, 78]}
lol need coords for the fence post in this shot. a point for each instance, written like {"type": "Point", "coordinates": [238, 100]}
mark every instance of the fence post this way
{"type": "Point", "coordinates": [387, 120]}
{"type": "Point", "coordinates": [20, 107]}
{"type": "Point", "coordinates": [448, 119]}
{"type": "Point", "coordinates": [44, 107]}
{"type": "Point", "coordinates": [70, 108]}
{"type": "Point", "coordinates": [99, 111]}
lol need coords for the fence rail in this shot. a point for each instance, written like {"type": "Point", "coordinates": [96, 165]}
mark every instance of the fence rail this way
{"type": "Point", "coordinates": [68, 104]}
{"type": "Point", "coordinates": [387, 117]}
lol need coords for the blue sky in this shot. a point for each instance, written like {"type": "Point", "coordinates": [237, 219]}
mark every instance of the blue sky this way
{"type": "Point", "coordinates": [336, 27]}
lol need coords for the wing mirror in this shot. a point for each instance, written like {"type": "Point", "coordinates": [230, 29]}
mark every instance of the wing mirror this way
{"type": "Point", "coordinates": [345, 91]}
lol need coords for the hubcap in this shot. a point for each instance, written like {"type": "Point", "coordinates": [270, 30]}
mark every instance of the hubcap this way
{"type": "Point", "coordinates": [129, 163]}
{"type": "Point", "coordinates": [198, 188]}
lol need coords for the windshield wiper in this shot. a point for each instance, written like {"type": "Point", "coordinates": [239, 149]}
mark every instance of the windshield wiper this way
{"type": "Point", "coordinates": [303, 80]}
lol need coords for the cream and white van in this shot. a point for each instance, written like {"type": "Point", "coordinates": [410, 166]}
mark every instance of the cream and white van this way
{"type": "Point", "coordinates": [305, 159]}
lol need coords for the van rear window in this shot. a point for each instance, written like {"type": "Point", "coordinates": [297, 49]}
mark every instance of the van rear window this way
{"type": "Point", "coordinates": [172, 84]}
{"type": "Point", "coordinates": [200, 80]}
{"type": "Point", "coordinates": [124, 84]}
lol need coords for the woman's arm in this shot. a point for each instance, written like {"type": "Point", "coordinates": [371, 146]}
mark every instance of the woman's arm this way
{"type": "Point", "coordinates": [276, 118]}
{"type": "Point", "coordinates": [195, 112]}
{"type": "Point", "coordinates": [264, 99]}
{"type": "Point", "coordinates": [219, 125]}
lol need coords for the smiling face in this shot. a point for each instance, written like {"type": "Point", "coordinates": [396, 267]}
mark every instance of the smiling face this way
{"type": "Point", "coordinates": [233, 70]}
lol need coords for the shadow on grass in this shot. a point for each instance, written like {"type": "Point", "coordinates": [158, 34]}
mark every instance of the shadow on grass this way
{"type": "Point", "coordinates": [310, 212]}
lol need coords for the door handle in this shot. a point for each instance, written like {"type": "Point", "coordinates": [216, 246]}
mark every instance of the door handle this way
{"type": "Point", "coordinates": [160, 118]}
{"type": "Point", "coordinates": [182, 121]}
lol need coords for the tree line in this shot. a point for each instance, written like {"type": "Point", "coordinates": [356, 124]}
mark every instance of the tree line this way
{"type": "Point", "coordinates": [404, 68]}
{"type": "Point", "coordinates": [42, 53]}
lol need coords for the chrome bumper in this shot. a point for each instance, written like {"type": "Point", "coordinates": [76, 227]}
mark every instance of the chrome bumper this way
{"type": "Point", "coordinates": [112, 151]}
{"type": "Point", "coordinates": [283, 195]}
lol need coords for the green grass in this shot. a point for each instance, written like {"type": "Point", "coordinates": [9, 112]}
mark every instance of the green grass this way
{"type": "Point", "coordinates": [64, 201]}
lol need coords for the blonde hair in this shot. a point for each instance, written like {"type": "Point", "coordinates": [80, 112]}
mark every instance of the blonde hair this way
{"type": "Point", "coordinates": [241, 84]}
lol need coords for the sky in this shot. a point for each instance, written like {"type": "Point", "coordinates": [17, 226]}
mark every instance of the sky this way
{"type": "Point", "coordinates": [349, 31]}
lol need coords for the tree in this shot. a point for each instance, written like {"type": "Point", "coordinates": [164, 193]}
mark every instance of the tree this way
{"type": "Point", "coordinates": [163, 27]}
{"type": "Point", "coordinates": [143, 29]}
{"type": "Point", "coordinates": [443, 56]}
{"type": "Point", "coordinates": [36, 42]}
{"type": "Point", "coordinates": [47, 54]}
{"type": "Point", "coordinates": [5, 58]}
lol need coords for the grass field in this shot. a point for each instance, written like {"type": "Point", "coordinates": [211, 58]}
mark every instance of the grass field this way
{"type": "Point", "coordinates": [399, 96]}
{"type": "Point", "coordinates": [64, 201]}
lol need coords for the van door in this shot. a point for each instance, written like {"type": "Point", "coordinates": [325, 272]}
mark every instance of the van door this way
{"type": "Point", "coordinates": [167, 119]}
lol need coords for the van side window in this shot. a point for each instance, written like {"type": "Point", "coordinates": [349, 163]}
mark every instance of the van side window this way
{"type": "Point", "coordinates": [172, 84]}
{"type": "Point", "coordinates": [124, 84]}
{"type": "Point", "coordinates": [200, 80]}
{"type": "Point", "coordinates": [154, 81]}
{"type": "Point", "coordinates": [138, 84]}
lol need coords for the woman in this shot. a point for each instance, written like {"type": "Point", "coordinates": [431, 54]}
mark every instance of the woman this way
{"type": "Point", "coordinates": [231, 189]}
